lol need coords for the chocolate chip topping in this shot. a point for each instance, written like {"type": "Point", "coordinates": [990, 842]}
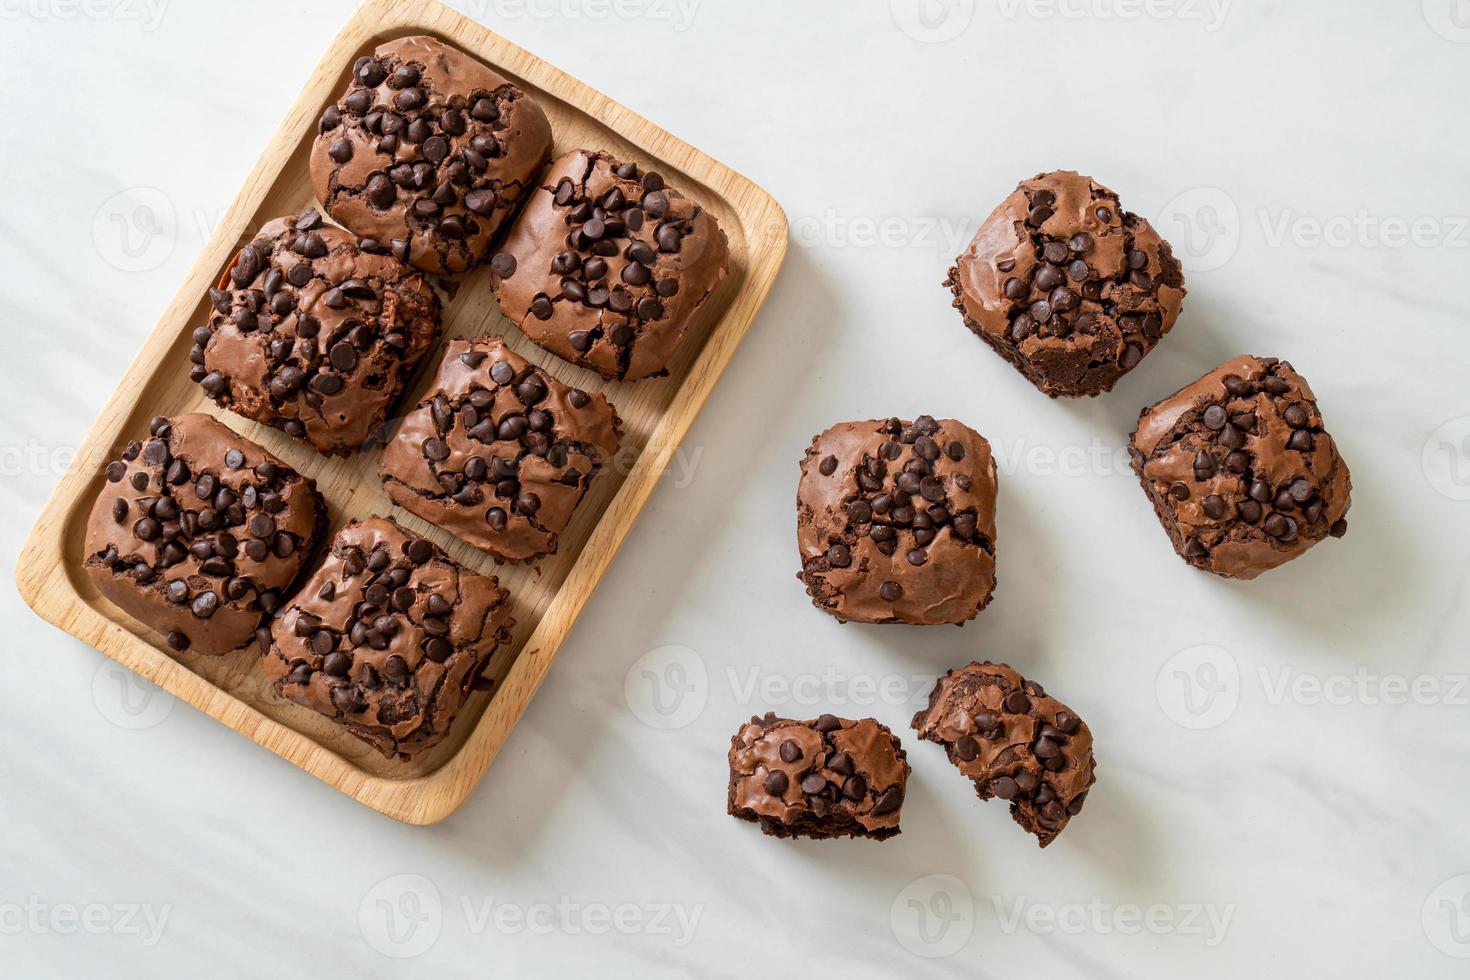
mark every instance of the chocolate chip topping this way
{"type": "Point", "coordinates": [607, 266]}
{"type": "Point", "coordinates": [1066, 285]}
{"type": "Point", "coordinates": [1240, 468]}
{"type": "Point", "coordinates": [428, 152]}
{"type": "Point", "coordinates": [499, 453]}
{"type": "Point", "coordinates": [197, 531]}
{"type": "Point", "coordinates": [388, 638]}
{"type": "Point", "coordinates": [896, 521]}
{"type": "Point", "coordinates": [1015, 741]}
{"type": "Point", "coordinates": [831, 777]}
{"type": "Point", "coordinates": [314, 332]}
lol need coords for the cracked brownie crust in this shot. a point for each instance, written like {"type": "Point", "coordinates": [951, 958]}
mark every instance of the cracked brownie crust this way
{"type": "Point", "coordinates": [825, 778]}
{"type": "Point", "coordinates": [1067, 286]}
{"type": "Point", "coordinates": [197, 531]}
{"type": "Point", "coordinates": [499, 453]}
{"type": "Point", "coordinates": [1240, 468]}
{"type": "Point", "coordinates": [314, 332]}
{"type": "Point", "coordinates": [388, 638]}
{"type": "Point", "coordinates": [428, 152]}
{"type": "Point", "coordinates": [1015, 741]}
{"type": "Point", "coordinates": [608, 267]}
{"type": "Point", "coordinates": [895, 521]}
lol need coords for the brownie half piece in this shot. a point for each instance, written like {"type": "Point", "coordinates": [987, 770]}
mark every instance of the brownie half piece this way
{"type": "Point", "coordinates": [831, 777]}
{"type": "Point", "coordinates": [1240, 468]}
{"type": "Point", "coordinates": [428, 152]}
{"type": "Point", "coordinates": [608, 266]}
{"type": "Point", "coordinates": [499, 453]}
{"type": "Point", "coordinates": [1015, 741]}
{"type": "Point", "coordinates": [388, 637]}
{"type": "Point", "coordinates": [197, 532]}
{"type": "Point", "coordinates": [316, 333]}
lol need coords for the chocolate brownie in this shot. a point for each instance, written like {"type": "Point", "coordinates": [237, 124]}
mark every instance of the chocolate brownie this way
{"type": "Point", "coordinates": [1066, 285]}
{"type": "Point", "coordinates": [1015, 741]}
{"type": "Point", "coordinates": [428, 152]}
{"type": "Point", "coordinates": [197, 531]}
{"type": "Point", "coordinates": [825, 778]}
{"type": "Point", "coordinates": [314, 332]}
{"type": "Point", "coordinates": [607, 267]}
{"type": "Point", "coordinates": [499, 453]}
{"type": "Point", "coordinates": [895, 521]}
{"type": "Point", "coordinates": [1240, 468]}
{"type": "Point", "coordinates": [387, 638]}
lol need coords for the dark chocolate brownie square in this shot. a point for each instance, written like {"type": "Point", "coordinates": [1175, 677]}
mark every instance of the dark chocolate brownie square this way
{"type": "Point", "coordinates": [1240, 468]}
{"type": "Point", "coordinates": [197, 531]}
{"type": "Point", "coordinates": [1067, 286]}
{"type": "Point", "coordinates": [387, 638]}
{"type": "Point", "coordinates": [607, 267]}
{"type": "Point", "coordinates": [1015, 741]}
{"type": "Point", "coordinates": [895, 521]}
{"type": "Point", "coordinates": [499, 453]}
{"type": "Point", "coordinates": [428, 152]}
{"type": "Point", "coordinates": [830, 777]}
{"type": "Point", "coordinates": [315, 333]}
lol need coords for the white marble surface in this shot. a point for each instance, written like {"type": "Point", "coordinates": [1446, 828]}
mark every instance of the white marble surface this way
{"type": "Point", "coordinates": [1282, 763]}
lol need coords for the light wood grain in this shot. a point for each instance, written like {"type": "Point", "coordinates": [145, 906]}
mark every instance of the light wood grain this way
{"type": "Point", "coordinates": [548, 595]}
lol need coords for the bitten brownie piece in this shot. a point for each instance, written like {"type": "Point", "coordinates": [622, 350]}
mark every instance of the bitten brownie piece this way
{"type": "Point", "coordinates": [314, 332]}
{"type": "Point", "coordinates": [387, 638]}
{"type": "Point", "coordinates": [1240, 468]}
{"type": "Point", "coordinates": [197, 531]}
{"type": "Point", "coordinates": [1014, 741]}
{"type": "Point", "coordinates": [1066, 285]}
{"type": "Point", "coordinates": [499, 453]}
{"type": "Point", "coordinates": [896, 521]}
{"type": "Point", "coordinates": [428, 152]}
{"type": "Point", "coordinates": [826, 778]}
{"type": "Point", "coordinates": [607, 267]}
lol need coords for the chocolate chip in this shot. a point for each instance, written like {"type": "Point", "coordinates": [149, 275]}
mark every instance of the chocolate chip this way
{"type": "Point", "coordinates": [204, 605]}
{"type": "Point", "coordinates": [419, 551]}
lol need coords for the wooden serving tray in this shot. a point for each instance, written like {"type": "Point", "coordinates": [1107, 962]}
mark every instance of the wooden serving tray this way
{"type": "Point", "coordinates": [548, 595]}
